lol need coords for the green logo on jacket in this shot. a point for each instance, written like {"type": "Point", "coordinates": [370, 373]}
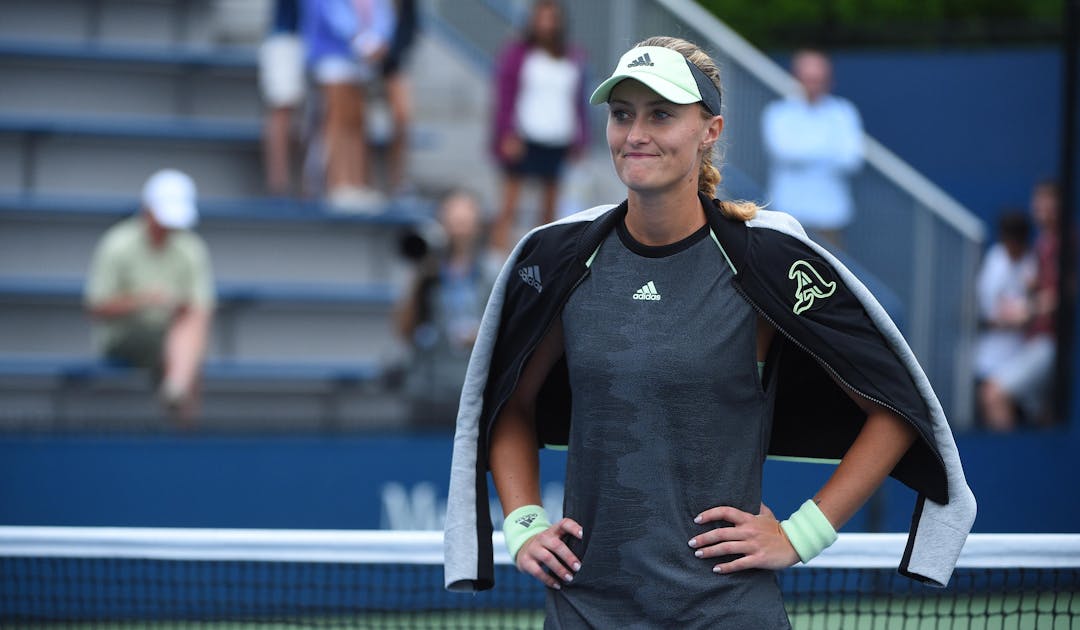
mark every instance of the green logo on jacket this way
{"type": "Point", "coordinates": [810, 286]}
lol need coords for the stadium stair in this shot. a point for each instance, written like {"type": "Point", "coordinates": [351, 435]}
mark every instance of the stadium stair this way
{"type": "Point", "coordinates": [99, 95]}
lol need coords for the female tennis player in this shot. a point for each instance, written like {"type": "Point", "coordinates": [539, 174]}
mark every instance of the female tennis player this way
{"type": "Point", "coordinates": [672, 342]}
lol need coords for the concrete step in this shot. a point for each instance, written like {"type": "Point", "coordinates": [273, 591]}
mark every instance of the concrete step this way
{"type": "Point", "coordinates": [299, 323]}
{"type": "Point", "coordinates": [53, 154]}
{"type": "Point", "coordinates": [302, 333]}
{"type": "Point", "coordinates": [73, 394]}
{"type": "Point", "coordinates": [324, 251]}
{"type": "Point", "coordinates": [135, 21]}
{"type": "Point", "coordinates": [69, 86]}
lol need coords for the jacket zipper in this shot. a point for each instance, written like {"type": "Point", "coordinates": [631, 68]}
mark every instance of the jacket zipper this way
{"type": "Point", "coordinates": [529, 352]}
{"type": "Point", "coordinates": [837, 376]}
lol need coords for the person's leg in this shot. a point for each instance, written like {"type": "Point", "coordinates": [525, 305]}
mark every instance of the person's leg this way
{"type": "Point", "coordinates": [548, 199]}
{"type": "Point", "coordinates": [343, 136]}
{"type": "Point", "coordinates": [400, 100]}
{"type": "Point", "coordinates": [185, 347]}
{"type": "Point", "coordinates": [998, 411]}
{"type": "Point", "coordinates": [504, 222]}
{"type": "Point", "coordinates": [357, 149]}
{"type": "Point", "coordinates": [1019, 384]}
{"type": "Point", "coordinates": [277, 140]}
{"type": "Point", "coordinates": [333, 134]}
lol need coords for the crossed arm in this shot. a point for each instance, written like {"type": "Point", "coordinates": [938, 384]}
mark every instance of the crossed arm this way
{"type": "Point", "coordinates": [757, 538]}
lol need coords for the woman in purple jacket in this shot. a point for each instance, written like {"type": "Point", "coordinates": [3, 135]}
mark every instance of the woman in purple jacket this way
{"type": "Point", "coordinates": [539, 113]}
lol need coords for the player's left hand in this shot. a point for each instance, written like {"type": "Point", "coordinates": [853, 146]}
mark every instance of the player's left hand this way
{"type": "Point", "coordinates": [757, 537]}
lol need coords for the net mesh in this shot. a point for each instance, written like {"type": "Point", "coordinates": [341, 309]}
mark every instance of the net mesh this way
{"type": "Point", "coordinates": [231, 585]}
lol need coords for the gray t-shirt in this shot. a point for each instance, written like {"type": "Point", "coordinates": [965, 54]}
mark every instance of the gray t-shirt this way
{"type": "Point", "coordinates": [669, 418]}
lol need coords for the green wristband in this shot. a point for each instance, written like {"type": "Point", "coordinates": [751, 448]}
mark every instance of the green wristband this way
{"type": "Point", "coordinates": [809, 531]}
{"type": "Point", "coordinates": [522, 524]}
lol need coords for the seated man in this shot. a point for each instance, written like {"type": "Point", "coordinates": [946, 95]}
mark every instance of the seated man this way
{"type": "Point", "coordinates": [151, 290]}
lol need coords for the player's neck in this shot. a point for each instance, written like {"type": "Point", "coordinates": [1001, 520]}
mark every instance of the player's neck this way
{"type": "Point", "coordinates": [663, 219]}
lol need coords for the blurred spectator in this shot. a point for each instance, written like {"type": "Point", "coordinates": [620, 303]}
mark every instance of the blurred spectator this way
{"type": "Point", "coordinates": [281, 80]}
{"type": "Point", "coordinates": [151, 289]}
{"type": "Point", "coordinates": [346, 41]}
{"type": "Point", "coordinates": [1007, 272]}
{"type": "Point", "coordinates": [815, 143]}
{"type": "Point", "coordinates": [397, 93]}
{"type": "Point", "coordinates": [539, 113]}
{"type": "Point", "coordinates": [1021, 385]}
{"type": "Point", "coordinates": [439, 315]}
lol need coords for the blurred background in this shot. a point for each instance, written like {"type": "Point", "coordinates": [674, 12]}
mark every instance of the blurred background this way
{"type": "Point", "coordinates": [343, 304]}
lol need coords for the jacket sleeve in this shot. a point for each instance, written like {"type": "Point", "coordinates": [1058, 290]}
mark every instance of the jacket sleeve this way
{"type": "Point", "coordinates": [836, 325]}
{"type": "Point", "coordinates": [469, 563]}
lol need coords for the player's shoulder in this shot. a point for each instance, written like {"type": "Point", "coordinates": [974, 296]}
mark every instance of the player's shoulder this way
{"type": "Point", "coordinates": [775, 222]}
{"type": "Point", "coordinates": [557, 231]}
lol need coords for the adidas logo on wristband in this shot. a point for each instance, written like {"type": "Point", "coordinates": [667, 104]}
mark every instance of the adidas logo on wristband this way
{"type": "Point", "coordinates": [526, 520]}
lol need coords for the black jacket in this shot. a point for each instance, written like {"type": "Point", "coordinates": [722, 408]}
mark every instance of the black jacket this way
{"type": "Point", "coordinates": [831, 330]}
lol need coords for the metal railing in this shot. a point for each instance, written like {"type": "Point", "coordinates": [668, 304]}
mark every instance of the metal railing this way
{"type": "Point", "coordinates": [918, 241]}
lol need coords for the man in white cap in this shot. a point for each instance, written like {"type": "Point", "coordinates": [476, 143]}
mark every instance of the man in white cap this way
{"type": "Point", "coordinates": [151, 290]}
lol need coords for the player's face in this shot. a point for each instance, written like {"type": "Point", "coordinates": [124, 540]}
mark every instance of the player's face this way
{"type": "Point", "coordinates": [657, 145]}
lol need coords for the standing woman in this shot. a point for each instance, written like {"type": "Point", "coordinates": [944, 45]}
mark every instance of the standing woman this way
{"type": "Point", "coordinates": [539, 114]}
{"type": "Point", "coordinates": [345, 41]}
{"type": "Point", "coordinates": [672, 342]}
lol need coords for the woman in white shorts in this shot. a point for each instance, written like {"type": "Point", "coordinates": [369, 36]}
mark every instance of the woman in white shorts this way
{"type": "Point", "coordinates": [345, 40]}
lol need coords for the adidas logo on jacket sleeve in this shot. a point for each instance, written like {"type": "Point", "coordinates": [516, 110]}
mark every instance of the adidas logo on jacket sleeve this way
{"type": "Point", "coordinates": [531, 276]}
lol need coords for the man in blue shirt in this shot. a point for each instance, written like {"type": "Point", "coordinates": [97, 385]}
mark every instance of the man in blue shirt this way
{"type": "Point", "coordinates": [814, 141]}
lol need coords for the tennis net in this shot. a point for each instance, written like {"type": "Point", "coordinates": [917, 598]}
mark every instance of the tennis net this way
{"type": "Point", "coordinates": [53, 577]}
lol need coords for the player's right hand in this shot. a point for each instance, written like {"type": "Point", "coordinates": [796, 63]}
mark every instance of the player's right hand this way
{"type": "Point", "coordinates": [547, 558]}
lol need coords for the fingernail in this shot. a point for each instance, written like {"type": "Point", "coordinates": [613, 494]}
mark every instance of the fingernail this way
{"type": "Point", "coordinates": [577, 566]}
{"type": "Point", "coordinates": [697, 519]}
{"type": "Point", "coordinates": [556, 587]}
{"type": "Point", "coordinates": [568, 577]}
{"type": "Point", "coordinates": [693, 542]}
{"type": "Point", "coordinates": [580, 533]}
{"type": "Point", "coordinates": [718, 568]}
{"type": "Point", "coordinates": [699, 553]}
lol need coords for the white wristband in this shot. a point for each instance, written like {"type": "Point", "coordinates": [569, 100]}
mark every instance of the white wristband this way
{"type": "Point", "coordinates": [808, 531]}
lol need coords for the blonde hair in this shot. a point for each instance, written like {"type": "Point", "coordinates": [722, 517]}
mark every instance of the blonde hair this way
{"type": "Point", "coordinates": [709, 176]}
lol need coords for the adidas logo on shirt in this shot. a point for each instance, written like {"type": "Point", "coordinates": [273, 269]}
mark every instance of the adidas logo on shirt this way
{"type": "Point", "coordinates": [647, 292]}
{"type": "Point", "coordinates": [531, 277]}
{"type": "Point", "coordinates": [643, 60]}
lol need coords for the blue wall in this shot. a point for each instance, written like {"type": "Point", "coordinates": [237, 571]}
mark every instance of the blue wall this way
{"type": "Point", "coordinates": [983, 125]}
{"type": "Point", "coordinates": [1025, 482]}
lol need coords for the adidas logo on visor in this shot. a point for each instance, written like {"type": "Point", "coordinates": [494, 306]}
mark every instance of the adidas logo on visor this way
{"type": "Point", "coordinates": [647, 292]}
{"type": "Point", "coordinates": [643, 60]}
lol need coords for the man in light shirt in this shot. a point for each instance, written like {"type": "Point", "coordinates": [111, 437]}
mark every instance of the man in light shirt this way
{"type": "Point", "coordinates": [150, 290]}
{"type": "Point", "coordinates": [815, 143]}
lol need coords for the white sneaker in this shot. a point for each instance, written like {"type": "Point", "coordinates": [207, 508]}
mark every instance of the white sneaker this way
{"type": "Point", "coordinates": [356, 200]}
{"type": "Point", "coordinates": [173, 395]}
